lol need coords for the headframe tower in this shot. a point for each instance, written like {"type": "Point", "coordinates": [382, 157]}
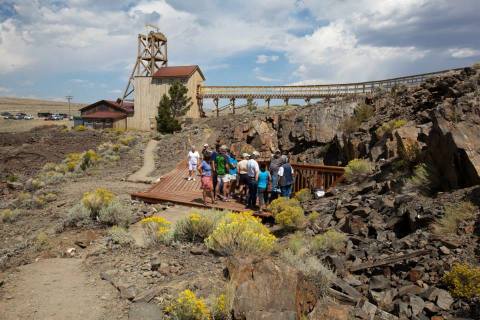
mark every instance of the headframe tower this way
{"type": "Point", "coordinates": [151, 56]}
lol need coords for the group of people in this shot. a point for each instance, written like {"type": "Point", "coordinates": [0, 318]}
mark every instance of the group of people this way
{"type": "Point", "coordinates": [225, 178]}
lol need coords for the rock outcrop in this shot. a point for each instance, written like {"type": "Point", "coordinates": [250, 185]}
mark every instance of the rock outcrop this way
{"type": "Point", "coordinates": [269, 290]}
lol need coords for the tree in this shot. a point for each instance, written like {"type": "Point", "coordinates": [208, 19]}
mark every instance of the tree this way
{"type": "Point", "coordinates": [166, 122]}
{"type": "Point", "coordinates": [180, 103]}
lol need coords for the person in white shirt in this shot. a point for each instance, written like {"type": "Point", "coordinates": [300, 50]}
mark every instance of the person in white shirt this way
{"type": "Point", "coordinates": [252, 171]}
{"type": "Point", "coordinates": [192, 162]}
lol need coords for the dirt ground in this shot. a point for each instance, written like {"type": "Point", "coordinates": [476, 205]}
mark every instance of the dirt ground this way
{"type": "Point", "coordinates": [46, 282]}
{"type": "Point", "coordinates": [33, 106]}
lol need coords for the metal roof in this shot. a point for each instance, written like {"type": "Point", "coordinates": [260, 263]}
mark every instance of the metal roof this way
{"type": "Point", "coordinates": [177, 72]}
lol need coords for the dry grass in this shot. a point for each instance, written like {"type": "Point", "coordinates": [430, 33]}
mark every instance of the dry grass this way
{"type": "Point", "coordinates": [27, 125]}
{"type": "Point", "coordinates": [454, 214]}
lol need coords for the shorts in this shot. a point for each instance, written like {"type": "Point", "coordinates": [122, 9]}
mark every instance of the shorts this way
{"type": "Point", "coordinates": [192, 166]}
{"type": "Point", "coordinates": [232, 177]}
{"type": "Point", "coordinates": [207, 183]}
{"type": "Point", "coordinates": [223, 178]}
{"type": "Point", "coordinates": [243, 180]}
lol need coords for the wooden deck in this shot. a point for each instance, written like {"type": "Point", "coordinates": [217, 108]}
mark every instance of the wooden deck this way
{"type": "Point", "coordinates": [175, 188]}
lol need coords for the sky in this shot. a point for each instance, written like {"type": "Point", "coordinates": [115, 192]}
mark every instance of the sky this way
{"type": "Point", "coordinates": [87, 48]}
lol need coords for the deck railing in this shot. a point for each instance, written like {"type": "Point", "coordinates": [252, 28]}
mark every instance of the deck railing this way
{"type": "Point", "coordinates": [314, 176]}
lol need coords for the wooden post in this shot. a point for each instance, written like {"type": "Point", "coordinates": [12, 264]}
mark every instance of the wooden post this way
{"type": "Point", "coordinates": [232, 101]}
{"type": "Point", "coordinates": [268, 103]}
{"type": "Point", "coordinates": [215, 101]}
{"type": "Point", "coordinates": [286, 101]}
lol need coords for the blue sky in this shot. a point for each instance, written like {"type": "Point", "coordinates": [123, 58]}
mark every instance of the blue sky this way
{"type": "Point", "coordinates": [86, 48]}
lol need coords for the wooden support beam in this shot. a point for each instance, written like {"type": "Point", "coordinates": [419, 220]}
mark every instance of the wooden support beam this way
{"type": "Point", "coordinates": [390, 260]}
{"type": "Point", "coordinates": [232, 100]}
{"type": "Point", "coordinates": [268, 103]}
{"type": "Point", "coordinates": [286, 101]}
{"type": "Point", "coordinates": [215, 101]}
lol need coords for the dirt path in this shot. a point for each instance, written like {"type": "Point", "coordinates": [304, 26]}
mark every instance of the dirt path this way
{"type": "Point", "coordinates": [148, 167]}
{"type": "Point", "coordinates": [56, 289]}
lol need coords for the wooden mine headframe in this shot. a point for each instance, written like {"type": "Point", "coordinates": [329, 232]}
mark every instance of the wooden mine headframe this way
{"type": "Point", "coordinates": [152, 55]}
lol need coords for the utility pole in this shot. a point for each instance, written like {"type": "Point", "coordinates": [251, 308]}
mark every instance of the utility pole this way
{"type": "Point", "coordinates": [69, 98]}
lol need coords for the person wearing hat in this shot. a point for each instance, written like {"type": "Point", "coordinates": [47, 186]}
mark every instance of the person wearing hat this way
{"type": "Point", "coordinates": [243, 176]}
{"type": "Point", "coordinates": [275, 164]}
{"type": "Point", "coordinates": [285, 177]}
{"type": "Point", "coordinates": [205, 151]}
{"type": "Point", "coordinates": [252, 171]}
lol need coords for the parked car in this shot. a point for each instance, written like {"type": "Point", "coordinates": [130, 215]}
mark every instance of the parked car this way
{"type": "Point", "coordinates": [28, 117]}
{"type": "Point", "coordinates": [54, 117]}
{"type": "Point", "coordinates": [7, 115]}
{"type": "Point", "coordinates": [19, 116]}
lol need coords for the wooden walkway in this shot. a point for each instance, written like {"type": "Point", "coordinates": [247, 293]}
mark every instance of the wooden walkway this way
{"type": "Point", "coordinates": [175, 188]}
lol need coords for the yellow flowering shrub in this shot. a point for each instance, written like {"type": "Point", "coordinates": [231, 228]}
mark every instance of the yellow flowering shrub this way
{"type": "Point", "coordinates": [97, 199]}
{"type": "Point", "coordinates": [303, 195]}
{"type": "Point", "coordinates": [287, 212]}
{"type": "Point", "coordinates": [8, 215]}
{"type": "Point", "coordinates": [80, 128]}
{"type": "Point", "coordinates": [197, 226]}
{"type": "Point", "coordinates": [241, 233]}
{"type": "Point", "coordinates": [463, 281]}
{"type": "Point", "coordinates": [127, 140]}
{"type": "Point", "coordinates": [332, 240]}
{"type": "Point", "coordinates": [221, 307]}
{"type": "Point", "coordinates": [279, 204]}
{"type": "Point", "coordinates": [291, 217]}
{"type": "Point", "coordinates": [72, 161]}
{"type": "Point", "coordinates": [156, 229]}
{"type": "Point", "coordinates": [188, 307]}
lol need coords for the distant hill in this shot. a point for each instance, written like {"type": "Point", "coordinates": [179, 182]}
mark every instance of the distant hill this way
{"type": "Point", "coordinates": [32, 106]}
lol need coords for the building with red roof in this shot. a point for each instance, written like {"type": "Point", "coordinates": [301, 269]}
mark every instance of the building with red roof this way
{"type": "Point", "coordinates": [106, 114]}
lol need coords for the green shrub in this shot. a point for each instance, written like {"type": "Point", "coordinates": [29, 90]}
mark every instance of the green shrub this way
{"type": "Point", "coordinates": [358, 169]}
{"type": "Point", "coordinates": [318, 274]}
{"type": "Point", "coordinates": [41, 241]}
{"type": "Point", "coordinates": [188, 307]}
{"type": "Point", "coordinates": [362, 113]}
{"type": "Point", "coordinates": [127, 140]}
{"type": "Point", "coordinates": [463, 281]}
{"type": "Point", "coordinates": [78, 216]}
{"type": "Point", "coordinates": [12, 178]}
{"type": "Point", "coordinates": [389, 126]}
{"type": "Point", "coordinates": [197, 226]}
{"type": "Point", "coordinates": [156, 230]}
{"type": "Point", "coordinates": [331, 240]}
{"type": "Point", "coordinates": [29, 201]}
{"type": "Point", "coordinates": [425, 178]}
{"type": "Point", "coordinates": [454, 214]}
{"type": "Point", "coordinates": [8, 215]}
{"type": "Point", "coordinates": [313, 216]}
{"type": "Point", "coordinates": [297, 243]}
{"type": "Point", "coordinates": [96, 200]}
{"type": "Point", "coordinates": [241, 234]}
{"type": "Point", "coordinates": [303, 195]}
{"type": "Point", "coordinates": [50, 197]}
{"type": "Point", "coordinates": [114, 213]}
{"type": "Point", "coordinates": [119, 235]}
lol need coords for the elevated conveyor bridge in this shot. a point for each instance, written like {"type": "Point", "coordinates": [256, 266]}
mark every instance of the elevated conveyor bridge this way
{"type": "Point", "coordinates": [305, 92]}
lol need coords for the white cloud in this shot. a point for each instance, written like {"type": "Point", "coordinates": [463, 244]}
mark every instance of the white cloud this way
{"type": "Point", "coordinates": [260, 76]}
{"type": "Point", "coordinates": [461, 53]}
{"type": "Point", "coordinates": [116, 91]}
{"type": "Point", "coordinates": [262, 58]}
{"type": "Point", "coordinates": [4, 90]}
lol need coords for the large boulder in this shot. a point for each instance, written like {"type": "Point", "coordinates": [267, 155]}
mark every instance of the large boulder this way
{"type": "Point", "coordinates": [269, 290]}
{"type": "Point", "coordinates": [454, 151]}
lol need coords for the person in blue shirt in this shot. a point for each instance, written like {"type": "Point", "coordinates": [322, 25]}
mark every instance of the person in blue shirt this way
{"type": "Point", "coordinates": [263, 180]}
{"type": "Point", "coordinates": [232, 164]}
{"type": "Point", "coordinates": [205, 170]}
